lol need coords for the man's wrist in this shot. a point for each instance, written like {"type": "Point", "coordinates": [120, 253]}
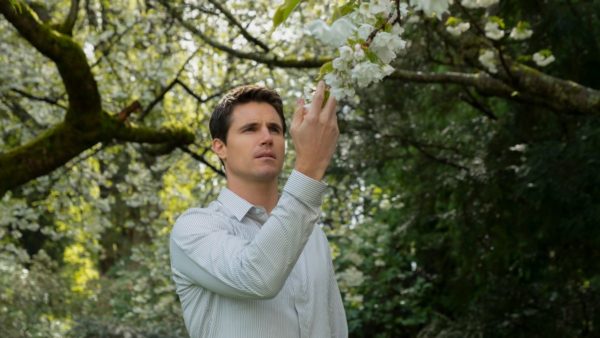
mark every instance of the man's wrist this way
{"type": "Point", "coordinates": [315, 174]}
{"type": "Point", "coordinates": [306, 188]}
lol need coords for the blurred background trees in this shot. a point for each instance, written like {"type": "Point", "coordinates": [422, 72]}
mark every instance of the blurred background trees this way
{"type": "Point", "coordinates": [452, 212]}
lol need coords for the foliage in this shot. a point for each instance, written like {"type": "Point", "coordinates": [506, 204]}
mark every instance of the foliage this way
{"type": "Point", "coordinates": [455, 210]}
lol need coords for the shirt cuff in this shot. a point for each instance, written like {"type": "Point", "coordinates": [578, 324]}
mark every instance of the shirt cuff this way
{"type": "Point", "coordinates": [306, 189]}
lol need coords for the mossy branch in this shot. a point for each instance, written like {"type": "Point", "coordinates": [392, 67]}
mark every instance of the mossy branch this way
{"type": "Point", "coordinates": [85, 123]}
{"type": "Point", "coordinates": [532, 86]}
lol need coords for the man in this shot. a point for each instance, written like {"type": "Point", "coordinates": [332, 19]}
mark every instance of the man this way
{"type": "Point", "coordinates": [253, 263]}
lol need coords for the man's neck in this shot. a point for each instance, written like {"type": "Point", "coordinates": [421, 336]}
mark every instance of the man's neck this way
{"type": "Point", "coordinates": [259, 193]}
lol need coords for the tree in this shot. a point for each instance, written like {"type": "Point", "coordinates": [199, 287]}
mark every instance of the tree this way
{"type": "Point", "coordinates": [463, 200]}
{"type": "Point", "coordinates": [85, 122]}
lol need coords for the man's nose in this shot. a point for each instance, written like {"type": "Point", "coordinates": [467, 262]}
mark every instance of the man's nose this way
{"type": "Point", "coordinates": [266, 136]}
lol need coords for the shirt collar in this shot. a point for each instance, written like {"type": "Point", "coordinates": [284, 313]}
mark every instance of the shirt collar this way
{"type": "Point", "coordinates": [238, 206]}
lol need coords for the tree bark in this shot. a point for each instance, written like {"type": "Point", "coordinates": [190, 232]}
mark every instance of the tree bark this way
{"type": "Point", "coordinates": [85, 123]}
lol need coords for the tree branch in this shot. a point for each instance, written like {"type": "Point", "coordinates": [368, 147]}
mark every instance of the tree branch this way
{"type": "Point", "coordinates": [315, 62]}
{"type": "Point", "coordinates": [236, 23]}
{"type": "Point", "coordinates": [534, 87]}
{"type": "Point", "coordinates": [81, 87]}
{"type": "Point", "coordinates": [49, 100]}
{"type": "Point", "coordinates": [85, 123]}
{"type": "Point", "coordinates": [21, 113]}
{"type": "Point", "coordinates": [201, 159]}
{"type": "Point", "coordinates": [69, 23]}
{"type": "Point", "coordinates": [124, 132]}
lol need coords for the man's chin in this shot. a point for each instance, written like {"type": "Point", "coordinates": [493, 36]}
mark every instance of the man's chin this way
{"type": "Point", "coordinates": [266, 174]}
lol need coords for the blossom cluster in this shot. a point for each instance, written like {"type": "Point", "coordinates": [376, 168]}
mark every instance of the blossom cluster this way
{"type": "Point", "coordinates": [369, 37]}
{"type": "Point", "coordinates": [368, 40]}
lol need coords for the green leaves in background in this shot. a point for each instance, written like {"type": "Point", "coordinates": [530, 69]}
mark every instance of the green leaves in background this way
{"type": "Point", "coordinates": [283, 11]}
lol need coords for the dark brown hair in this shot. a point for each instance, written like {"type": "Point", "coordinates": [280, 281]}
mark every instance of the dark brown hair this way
{"type": "Point", "coordinates": [220, 120]}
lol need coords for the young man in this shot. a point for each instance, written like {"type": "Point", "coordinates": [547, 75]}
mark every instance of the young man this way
{"type": "Point", "coordinates": [253, 263]}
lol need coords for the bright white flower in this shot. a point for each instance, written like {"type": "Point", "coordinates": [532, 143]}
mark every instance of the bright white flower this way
{"type": "Point", "coordinates": [344, 61]}
{"type": "Point", "coordinates": [488, 60]}
{"type": "Point", "coordinates": [346, 52]}
{"type": "Point", "coordinates": [340, 87]}
{"type": "Point", "coordinates": [386, 45]}
{"type": "Point", "coordinates": [458, 29]}
{"type": "Point", "coordinates": [333, 80]}
{"type": "Point", "coordinates": [336, 35]}
{"type": "Point", "coordinates": [487, 3]}
{"type": "Point", "coordinates": [359, 53]}
{"type": "Point", "coordinates": [431, 7]}
{"type": "Point", "coordinates": [520, 32]}
{"type": "Point", "coordinates": [366, 73]}
{"type": "Point", "coordinates": [340, 64]}
{"type": "Point", "coordinates": [364, 11]}
{"type": "Point", "coordinates": [380, 7]}
{"type": "Point", "coordinates": [478, 3]}
{"type": "Point", "coordinates": [518, 147]}
{"type": "Point", "coordinates": [397, 29]}
{"type": "Point", "coordinates": [543, 58]}
{"type": "Point", "coordinates": [352, 276]}
{"type": "Point", "coordinates": [387, 70]}
{"type": "Point", "coordinates": [493, 31]}
{"type": "Point", "coordinates": [342, 93]}
{"type": "Point", "coordinates": [403, 10]}
{"type": "Point", "coordinates": [365, 30]}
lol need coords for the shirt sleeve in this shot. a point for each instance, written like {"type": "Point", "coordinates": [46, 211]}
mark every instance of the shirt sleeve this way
{"type": "Point", "coordinates": [205, 251]}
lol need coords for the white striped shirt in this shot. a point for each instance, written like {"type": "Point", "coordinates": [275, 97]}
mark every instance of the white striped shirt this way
{"type": "Point", "coordinates": [240, 272]}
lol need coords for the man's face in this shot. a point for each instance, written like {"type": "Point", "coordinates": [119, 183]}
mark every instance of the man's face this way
{"type": "Point", "coordinates": [255, 146]}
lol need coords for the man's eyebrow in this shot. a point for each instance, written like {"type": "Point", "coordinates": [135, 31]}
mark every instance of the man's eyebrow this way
{"type": "Point", "coordinates": [248, 125]}
{"type": "Point", "coordinates": [275, 124]}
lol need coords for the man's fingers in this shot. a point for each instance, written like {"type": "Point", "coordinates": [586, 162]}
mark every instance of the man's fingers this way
{"type": "Point", "coordinates": [299, 113]}
{"type": "Point", "coordinates": [329, 109]}
{"type": "Point", "coordinates": [317, 102]}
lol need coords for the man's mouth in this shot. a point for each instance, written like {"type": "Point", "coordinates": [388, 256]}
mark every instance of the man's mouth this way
{"type": "Point", "coordinates": [266, 155]}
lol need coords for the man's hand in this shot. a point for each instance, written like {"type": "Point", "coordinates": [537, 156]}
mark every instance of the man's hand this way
{"type": "Point", "coordinates": [314, 133]}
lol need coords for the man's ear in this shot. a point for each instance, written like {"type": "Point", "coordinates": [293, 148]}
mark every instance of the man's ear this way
{"type": "Point", "coordinates": [220, 148]}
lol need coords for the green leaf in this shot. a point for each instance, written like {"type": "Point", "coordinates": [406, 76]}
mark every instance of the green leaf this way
{"type": "Point", "coordinates": [283, 11]}
{"type": "Point", "coordinates": [372, 56]}
{"type": "Point", "coordinates": [498, 21]}
{"type": "Point", "coordinates": [453, 21]}
{"type": "Point", "coordinates": [326, 68]}
{"type": "Point", "coordinates": [343, 10]}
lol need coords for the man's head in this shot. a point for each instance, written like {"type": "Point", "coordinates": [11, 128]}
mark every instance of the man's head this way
{"type": "Point", "coordinates": [248, 131]}
{"type": "Point", "coordinates": [220, 120]}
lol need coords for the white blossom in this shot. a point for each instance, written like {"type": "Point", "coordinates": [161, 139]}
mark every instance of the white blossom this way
{"type": "Point", "coordinates": [380, 7]}
{"type": "Point", "coordinates": [352, 277]}
{"type": "Point", "coordinates": [458, 29]}
{"type": "Point", "coordinates": [518, 147]}
{"type": "Point", "coordinates": [359, 53]}
{"type": "Point", "coordinates": [488, 60]}
{"type": "Point", "coordinates": [431, 7]}
{"type": "Point", "coordinates": [543, 58]}
{"type": "Point", "coordinates": [493, 31]}
{"type": "Point", "coordinates": [365, 30]}
{"type": "Point", "coordinates": [386, 46]}
{"type": "Point", "coordinates": [518, 33]}
{"type": "Point", "coordinates": [334, 36]}
{"type": "Point", "coordinates": [478, 3]}
{"type": "Point", "coordinates": [366, 73]}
